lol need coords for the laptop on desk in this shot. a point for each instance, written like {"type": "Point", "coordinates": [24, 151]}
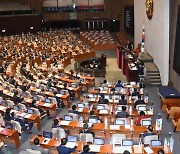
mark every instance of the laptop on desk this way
{"type": "Point", "coordinates": [156, 143]}
{"type": "Point", "coordinates": [48, 101]}
{"type": "Point", "coordinates": [120, 122]}
{"type": "Point", "coordinates": [47, 136]}
{"type": "Point", "coordinates": [68, 118]}
{"type": "Point", "coordinates": [72, 140]}
{"type": "Point", "coordinates": [99, 141]}
{"type": "Point", "coordinates": [146, 122]}
{"type": "Point", "coordinates": [127, 144]}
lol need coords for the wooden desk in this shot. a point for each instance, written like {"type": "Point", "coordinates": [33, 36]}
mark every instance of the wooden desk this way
{"type": "Point", "coordinates": [165, 102]}
{"type": "Point", "coordinates": [10, 136]}
{"type": "Point", "coordinates": [43, 105]}
{"type": "Point", "coordinates": [34, 118]}
{"type": "Point", "coordinates": [107, 148]}
{"type": "Point", "coordinates": [108, 128]}
{"type": "Point", "coordinates": [112, 114]}
{"type": "Point", "coordinates": [52, 143]}
{"type": "Point", "coordinates": [91, 79]}
{"type": "Point", "coordinates": [84, 84]}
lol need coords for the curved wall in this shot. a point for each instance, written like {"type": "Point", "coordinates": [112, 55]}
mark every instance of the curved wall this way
{"type": "Point", "coordinates": [156, 33]}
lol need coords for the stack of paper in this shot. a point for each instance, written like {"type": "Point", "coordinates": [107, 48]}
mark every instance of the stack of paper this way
{"type": "Point", "coordinates": [148, 150]}
{"type": "Point", "coordinates": [47, 105]}
{"type": "Point", "coordinates": [27, 116]}
{"type": "Point", "coordinates": [80, 109]}
{"type": "Point", "coordinates": [114, 127]}
{"type": "Point", "coordinates": [95, 148]}
{"type": "Point", "coordinates": [63, 122]}
{"type": "Point", "coordinates": [70, 144]}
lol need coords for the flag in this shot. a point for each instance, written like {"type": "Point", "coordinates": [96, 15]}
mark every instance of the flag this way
{"type": "Point", "coordinates": [143, 40]}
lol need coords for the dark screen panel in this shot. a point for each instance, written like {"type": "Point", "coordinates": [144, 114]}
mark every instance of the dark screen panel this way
{"type": "Point", "coordinates": [176, 64]}
{"type": "Point", "coordinates": [129, 19]}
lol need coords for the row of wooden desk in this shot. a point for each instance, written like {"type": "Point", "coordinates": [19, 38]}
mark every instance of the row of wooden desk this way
{"type": "Point", "coordinates": [107, 148]}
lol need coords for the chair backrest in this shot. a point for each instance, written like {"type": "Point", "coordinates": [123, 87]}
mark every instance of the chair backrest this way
{"type": "Point", "coordinates": [28, 93]}
{"type": "Point", "coordinates": [173, 110]}
{"type": "Point", "coordinates": [117, 138]}
{"type": "Point", "coordinates": [86, 137]}
{"type": "Point", "coordinates": [75, 116]}
{"type": "Point", "coordinates": [36, 111]}
{"type": "Point", "coordinates": [147, 139]}
{"type": "Point", "coordinates": [16, 125]}
{"type": "Point", "coordinates": [53, 100]}
{"type": "Point", "coordinates": [30, 151]}
{"type": "Point", "coordinates": [41, 98]}
{"type": "Point", "coordinates": [59, 133]}
{"type": "Point", "coordinates": [10, 103]}
{"type": "Point", "coordinates": [22, 107]}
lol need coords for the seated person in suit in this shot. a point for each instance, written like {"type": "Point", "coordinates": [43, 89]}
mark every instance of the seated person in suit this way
{"type": "Point", "coordinates": [105, 83]}
{"type": "Point", "coordinates": [16, 99]}
{"type": "Point", "coordinates": [24, 87]}
{"type": "Point", "coordinates": [62, 149]}
{"type": "Point", "coordinates": [149, 131]}
{"type": "Point", "coordinates": [122, 101]}
{"type": "Point", "coordinates": [139, 101]}
{"type": "Point", "coordinates": [123, 113]}
{"type": "Point", "coordinates": [7, 115]}
{"type": "Point", "coordinates": [38, 147]}
{"type": "Point", "coordinates": [60, 102]}
{"type": "Point", "coordinates": [141, 116]}
{"type": "Point", "coordinates": [119, 84]}
{"type": "Point", "coordinates": [86, 130]}
{"type": "Point", "coordinates": [135, 93]}
{"type": "Point", "coordinates": [56, 124]}
{"type": "Point", "coordinates": [102, 100]}
{"type": "Point", "coordinates": [86, 150]}
{"type": "Point", "coordinates": [26, 126]}
{"type": "Point", "coordinates": [43, 113]}
{"type": "Point", "coordinates": [48, 84]}
{"type": "Point", "coordinates": [74, 111]}
{"type": "Point", "coordinates": [95, 116]}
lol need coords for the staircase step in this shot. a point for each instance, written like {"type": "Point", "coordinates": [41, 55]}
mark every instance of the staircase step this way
{"type": "Point", "coordinates": [153, 74]}
{"type": "Point", "coordinates": [155, 81]}
{"type": "Point", "coordinates": [152, 71]}
{"type": "Point", "coordinates": [156, 84]}
{"type": "Point", "coordinates": [154, 77]}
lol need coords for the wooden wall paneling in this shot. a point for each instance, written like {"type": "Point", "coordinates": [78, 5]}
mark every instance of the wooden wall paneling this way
{"type": "Point", "coordinates": [23, 23]}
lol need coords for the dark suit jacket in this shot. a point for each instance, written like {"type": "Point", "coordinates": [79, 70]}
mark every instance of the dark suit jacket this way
{"type": "Point", "coordinates": [103, 101]}
{"type": "Point", "coordinates": [122, 102]}
{"type": "Point", "coordinates": [135, 93]}
{"type": "Point", "coordinates": [16, 99]}
{"type": "Point", "coordinates": [64, 150]}
{"type": "Point", "coordinates": [87, 131]}
{"type": "Point", "coordinates": [148, 134]}
{"type": "Point", "coordinates": [122, 114]}
{"type": "Point", "coordinates": [139, 101]}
